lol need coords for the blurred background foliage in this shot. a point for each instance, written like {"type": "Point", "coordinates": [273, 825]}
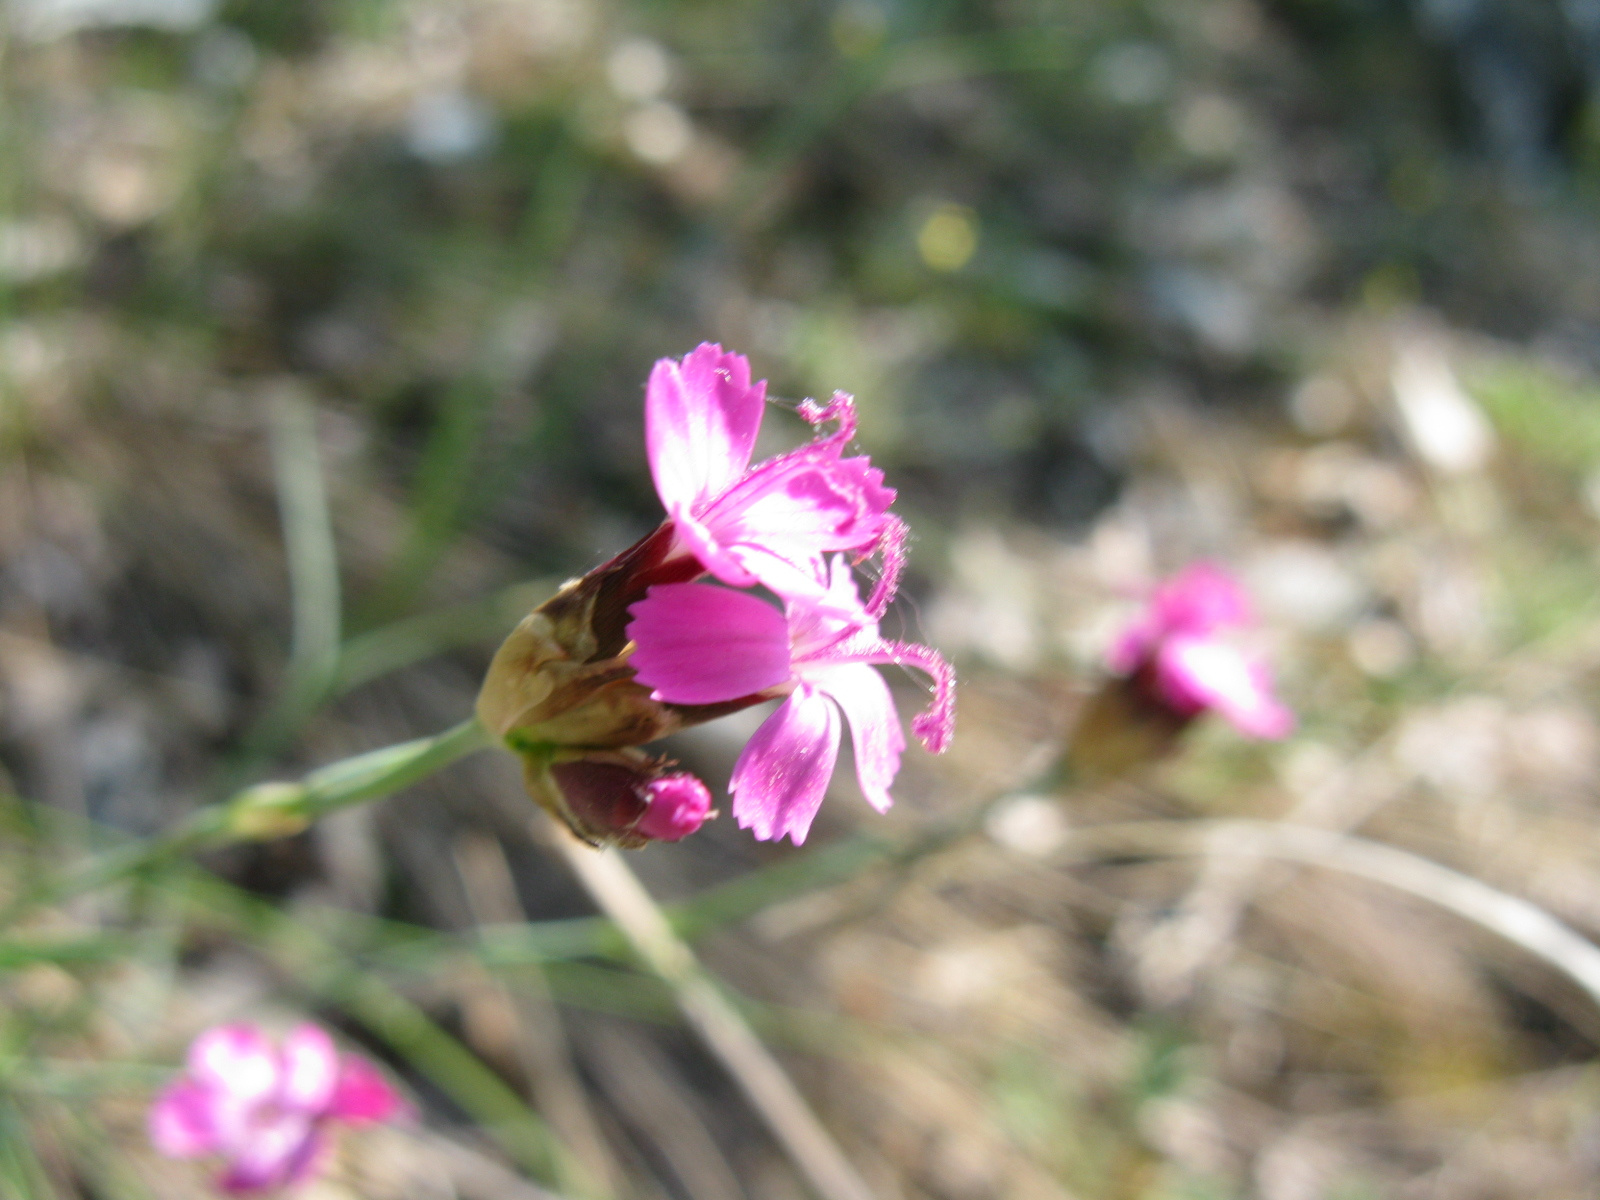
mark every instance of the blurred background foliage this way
{"type": "Point", "coordinates": [1309, 286]}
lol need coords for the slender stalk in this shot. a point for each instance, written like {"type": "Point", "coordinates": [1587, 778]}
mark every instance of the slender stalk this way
{"type": "Point", "coordinates": [314, 593]}
{"type": "Point", "coordinates": [379, 772]}
{"type": "Point", "coordinates": [620, 895]}
{"type": "Point", "coordinates": [308, 535]}
{"type": "Point", "coordinates": [583, 1163]}
{"type": "Point", "coordinates": [274, 809]}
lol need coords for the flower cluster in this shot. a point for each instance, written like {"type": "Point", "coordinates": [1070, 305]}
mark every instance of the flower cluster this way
{"type": "Point", "coordinates": [266, 1110]}
{"type": "Point", "coordinates": [647, 643]}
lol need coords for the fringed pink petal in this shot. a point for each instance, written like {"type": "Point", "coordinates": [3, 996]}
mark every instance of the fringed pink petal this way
{"type": "Point", "coordinates": [774, 524]}
{"type": "Point", "coordinates": [310, 1069]}
{"type": "Point", "coordinates": [874, 725]}
{"type": "Point", "coordinates": [721, 560]}
{"type": "Point", "coordinates": [181, 1123]}
{"type": "Point", "coordinates": [841, 408]}
{"type": "Point", "coordinates": [782, 774]}
{"type": "Point", "coordinates": [935, 724]}
{"type": "Point", "coordinates": [791, 580]}
{"type": "Point", "coordinates": [363, 1094]}
{"type": "Point", "coordinates": [891, 549]}
{"type": "Point", "coordinates": [830, 626]}
{"type": "Point", "coordinates": [800, 506]}
{"type": "Point", "coordinates": [701, 418]}
{"type": "Point", "coordinates": [700, 644]}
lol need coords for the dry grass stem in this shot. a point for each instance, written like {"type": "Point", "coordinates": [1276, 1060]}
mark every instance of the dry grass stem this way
{"type": "Point", "coordinates": [1524, 924]}
{"type": "Point", "coordinates": [541, 1040]}
{"type": "Point", "coordinates": [620, 895]}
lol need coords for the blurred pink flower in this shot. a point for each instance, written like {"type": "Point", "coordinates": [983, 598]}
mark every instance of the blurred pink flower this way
{"type": "Point", "coordinates": [773, 523]}
{"type": "Point", "coordinates": [264, 1109]}
{"type": "Point", "coordinates": [1177, 651]}
{"type": "Point", "coordinates": [701, 644]}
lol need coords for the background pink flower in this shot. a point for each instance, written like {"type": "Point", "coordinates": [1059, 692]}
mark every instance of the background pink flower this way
{"type": "Point", "coordinates": [1200, 600]}
{"type": "Point", "coordinates": [1178, 649]}
{"type": "Point", "coordinates": [265, 1109]}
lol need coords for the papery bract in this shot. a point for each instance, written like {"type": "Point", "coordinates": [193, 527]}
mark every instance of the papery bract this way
{"type": "Point", "coordinates": [770, 524]}
{"type": "Point", "coordinates": [265, 1110]}
{"type": "Point", "coordinates": [697, 643]}
{"type": "Point", "coordinates": [562, 679]}
{"type": "Point", "coordinates": [1178, 651]}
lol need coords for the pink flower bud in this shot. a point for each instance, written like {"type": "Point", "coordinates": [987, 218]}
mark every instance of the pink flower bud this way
{"type": "Point", "coordinates": [622, 798]}
{"type": "Point", "coordinates": [678, 805]}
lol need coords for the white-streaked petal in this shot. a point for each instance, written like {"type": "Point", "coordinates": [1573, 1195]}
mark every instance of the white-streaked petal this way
{"type": "Point", "coordinates": [701, 418]}
{"type": "Point", "coordinates": [310, 1069]}
{"type": "Point", "coordinates": [283, 1148]}
{"type": "Point", "coordinates": [874, 724]}
{"type": "Point", "coordinates": [1206, 673]}
{"type": "Point", "coordinates": [236, 1061]}
{"type": "Point", "coordinates": [782, 775]}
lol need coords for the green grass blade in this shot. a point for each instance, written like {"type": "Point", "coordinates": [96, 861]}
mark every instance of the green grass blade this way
{"type": "Point", "coordinates": [308, 533]}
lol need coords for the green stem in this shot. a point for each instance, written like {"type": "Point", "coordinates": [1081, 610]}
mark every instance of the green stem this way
{"type": "Point", "coordinates": [487, 1098]}
{"type": "Point", "coordinates": [379, 772]}
{"type": "Point", "coordinates": [270, 810]}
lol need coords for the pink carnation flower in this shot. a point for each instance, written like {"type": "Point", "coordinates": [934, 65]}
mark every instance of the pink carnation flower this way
{"type": "Point", "coordinates": [263, 1109]}
{"type": "Point", "coordinates": [701, 644]}
{"type": "Point", "coordinates": [773, 523]}
{"type": "Point", "coordinates": [1176, 649]}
